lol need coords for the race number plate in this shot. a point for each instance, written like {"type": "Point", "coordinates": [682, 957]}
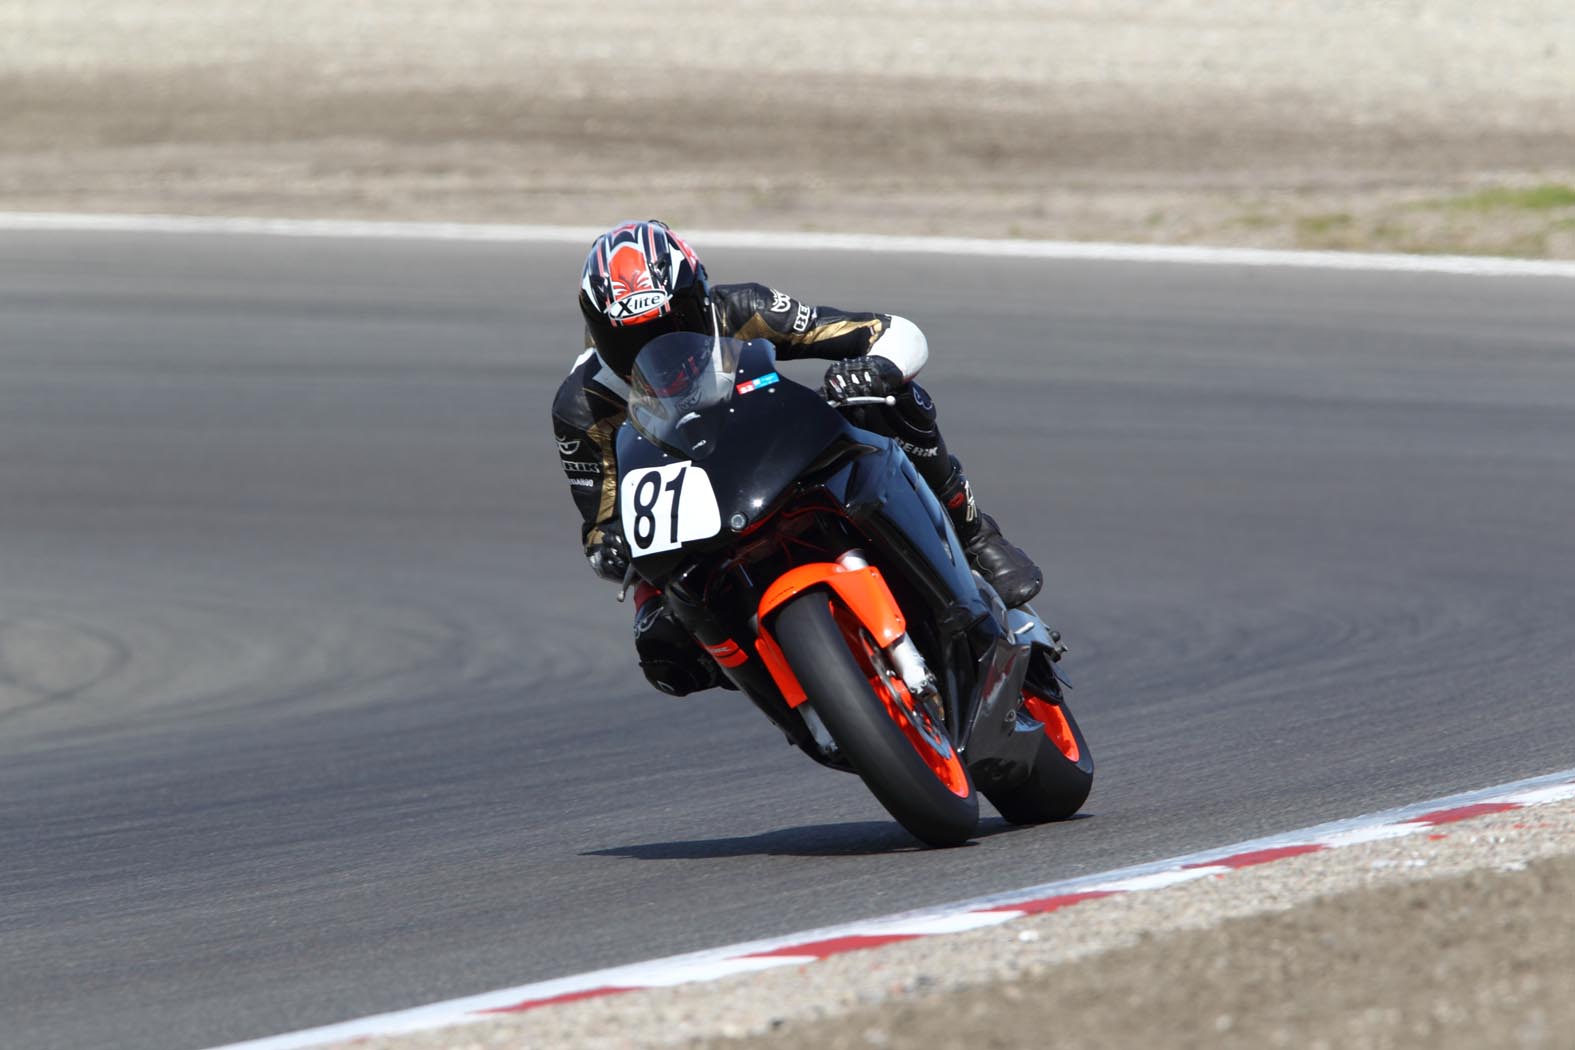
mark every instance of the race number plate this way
{"type": "Point", "coordinates": [665, 507]}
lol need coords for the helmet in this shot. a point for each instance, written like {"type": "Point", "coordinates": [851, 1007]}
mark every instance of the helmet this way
{"type": "Point", "coordinates": [641, 281]}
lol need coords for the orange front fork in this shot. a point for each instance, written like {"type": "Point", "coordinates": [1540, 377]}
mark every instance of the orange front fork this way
{"type": "Point", "coordinates": [863, 591]}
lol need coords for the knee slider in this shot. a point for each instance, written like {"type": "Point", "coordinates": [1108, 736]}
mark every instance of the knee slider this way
{"type": "Point", "coordinates": [671, 660]}
{"type": "Point", "coordinates": [675, 678]}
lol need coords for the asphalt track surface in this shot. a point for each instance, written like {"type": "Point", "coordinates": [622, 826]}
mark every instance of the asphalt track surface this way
{"type": "Point", "coordinates": [312, 710]}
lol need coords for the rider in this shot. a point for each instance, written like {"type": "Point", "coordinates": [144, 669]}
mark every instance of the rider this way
{"type": "Point", "coordinates": [641, 281]}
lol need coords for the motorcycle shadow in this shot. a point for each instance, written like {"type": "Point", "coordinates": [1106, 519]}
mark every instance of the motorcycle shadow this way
{"type": "Point", "coordinates": [860, 838]}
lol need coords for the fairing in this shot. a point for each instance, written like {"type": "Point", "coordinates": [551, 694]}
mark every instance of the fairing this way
{"type": "Point", "coordinates": [757, 444]}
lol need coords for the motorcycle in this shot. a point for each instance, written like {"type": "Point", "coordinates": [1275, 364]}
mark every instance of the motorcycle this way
{"type": "Point", "coordinates": [807, 556]}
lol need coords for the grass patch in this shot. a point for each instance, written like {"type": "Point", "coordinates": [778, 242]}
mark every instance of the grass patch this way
{"type": "Point", "coordinates": [1546, 197]}
{"type": "Point", "coordinates": [1333, 231]}
{"type": "Point", "coordinates": [1322, 225]}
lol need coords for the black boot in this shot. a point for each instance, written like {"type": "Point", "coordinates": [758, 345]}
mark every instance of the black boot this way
{"type": "Point", "coordinates": [1011, 572]}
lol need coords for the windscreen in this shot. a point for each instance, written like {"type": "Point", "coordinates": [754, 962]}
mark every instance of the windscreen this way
{"type": "Point", "coordinates": [677, 388]}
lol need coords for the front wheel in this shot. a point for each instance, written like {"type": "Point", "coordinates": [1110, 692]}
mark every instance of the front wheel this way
{"type": "Point", "coordinates": [901, 752]}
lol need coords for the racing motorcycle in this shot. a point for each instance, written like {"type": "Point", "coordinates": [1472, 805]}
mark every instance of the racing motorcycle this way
{"type": "Point", "coordinates": [806, 555]}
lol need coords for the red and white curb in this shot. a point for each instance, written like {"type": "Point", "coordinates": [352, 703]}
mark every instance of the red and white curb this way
{"type": "Point", "coordinates": [811, 946]}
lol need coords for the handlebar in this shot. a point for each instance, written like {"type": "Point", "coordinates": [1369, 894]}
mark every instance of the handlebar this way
{"type": "Point", "coordinates": [849, 401]}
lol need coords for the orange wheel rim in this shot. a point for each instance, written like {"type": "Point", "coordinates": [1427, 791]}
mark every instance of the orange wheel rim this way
{"type": "Point", "coordinates": [927, 739]}
{"type": "Point", "coordinates": [1057, 728]}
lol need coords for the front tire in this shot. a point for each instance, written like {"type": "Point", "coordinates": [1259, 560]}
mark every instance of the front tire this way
{"type": "Point", "coordinates": [906, 760]}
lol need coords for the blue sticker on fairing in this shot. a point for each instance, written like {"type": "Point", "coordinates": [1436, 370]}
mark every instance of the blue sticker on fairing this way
{"type": "Point", "coordinates": [758, 382]}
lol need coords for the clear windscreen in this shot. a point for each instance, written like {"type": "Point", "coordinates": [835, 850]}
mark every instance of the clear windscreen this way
{"type": "Point", "coordinates": [677, 384]}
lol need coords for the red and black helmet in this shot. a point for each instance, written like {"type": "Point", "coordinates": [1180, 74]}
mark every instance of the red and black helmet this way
{"type": "Point", "coordinates": [641, 281]}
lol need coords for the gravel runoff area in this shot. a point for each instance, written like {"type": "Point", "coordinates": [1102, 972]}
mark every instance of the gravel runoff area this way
{"type": "Point", "coordinates": [1411, 125]}
{"type": "Point", "coordinates": [1459, 938]}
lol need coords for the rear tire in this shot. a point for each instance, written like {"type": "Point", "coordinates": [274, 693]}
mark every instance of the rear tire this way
{"type": "Point", "coordinates": [900, 766]}
{"type": "Point", "coordinates": [1063, 772]}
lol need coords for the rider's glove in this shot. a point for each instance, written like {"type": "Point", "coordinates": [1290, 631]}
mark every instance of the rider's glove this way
{"type": "Point", "coordinates": [609, 556]}
{"type": "Point", "coordinates": [869, 376]}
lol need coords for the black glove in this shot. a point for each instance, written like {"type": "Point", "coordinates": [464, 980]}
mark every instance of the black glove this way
{"type": "Point", "coordinates": [872, 376]}
{"type": "Point", "coordinates": [609, 556]}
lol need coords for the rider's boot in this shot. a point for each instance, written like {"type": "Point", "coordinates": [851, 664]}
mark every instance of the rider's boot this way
{"type": "Point", "coordinates": [911, 421]}
{"type": "Point", "coordinates": [1009, 570]}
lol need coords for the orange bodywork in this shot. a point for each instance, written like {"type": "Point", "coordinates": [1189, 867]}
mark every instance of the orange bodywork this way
{"type": "Point", "coordinates": [863, 592]}
{"type": "Point", "coordinates": [781, 671]}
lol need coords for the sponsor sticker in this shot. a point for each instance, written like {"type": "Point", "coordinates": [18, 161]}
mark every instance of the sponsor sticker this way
{"type": "Point", "coordinates": [801, 320]}
{"type": "Point", "coordinates": [634, 306]}
{"type": "Point", "coordinates": [756, 383]}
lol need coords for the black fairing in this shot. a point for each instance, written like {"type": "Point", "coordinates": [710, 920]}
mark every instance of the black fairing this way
{"type": "Point", "coordinates": [888, 499]}
{"type": "Point", "coordinates": [758, 445]}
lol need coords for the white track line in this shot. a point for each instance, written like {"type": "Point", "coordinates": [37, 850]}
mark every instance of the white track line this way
{"type": "Point", "coordinates": [1474, 266]}
{"type": "Point", "coordinates": [811, 946]}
